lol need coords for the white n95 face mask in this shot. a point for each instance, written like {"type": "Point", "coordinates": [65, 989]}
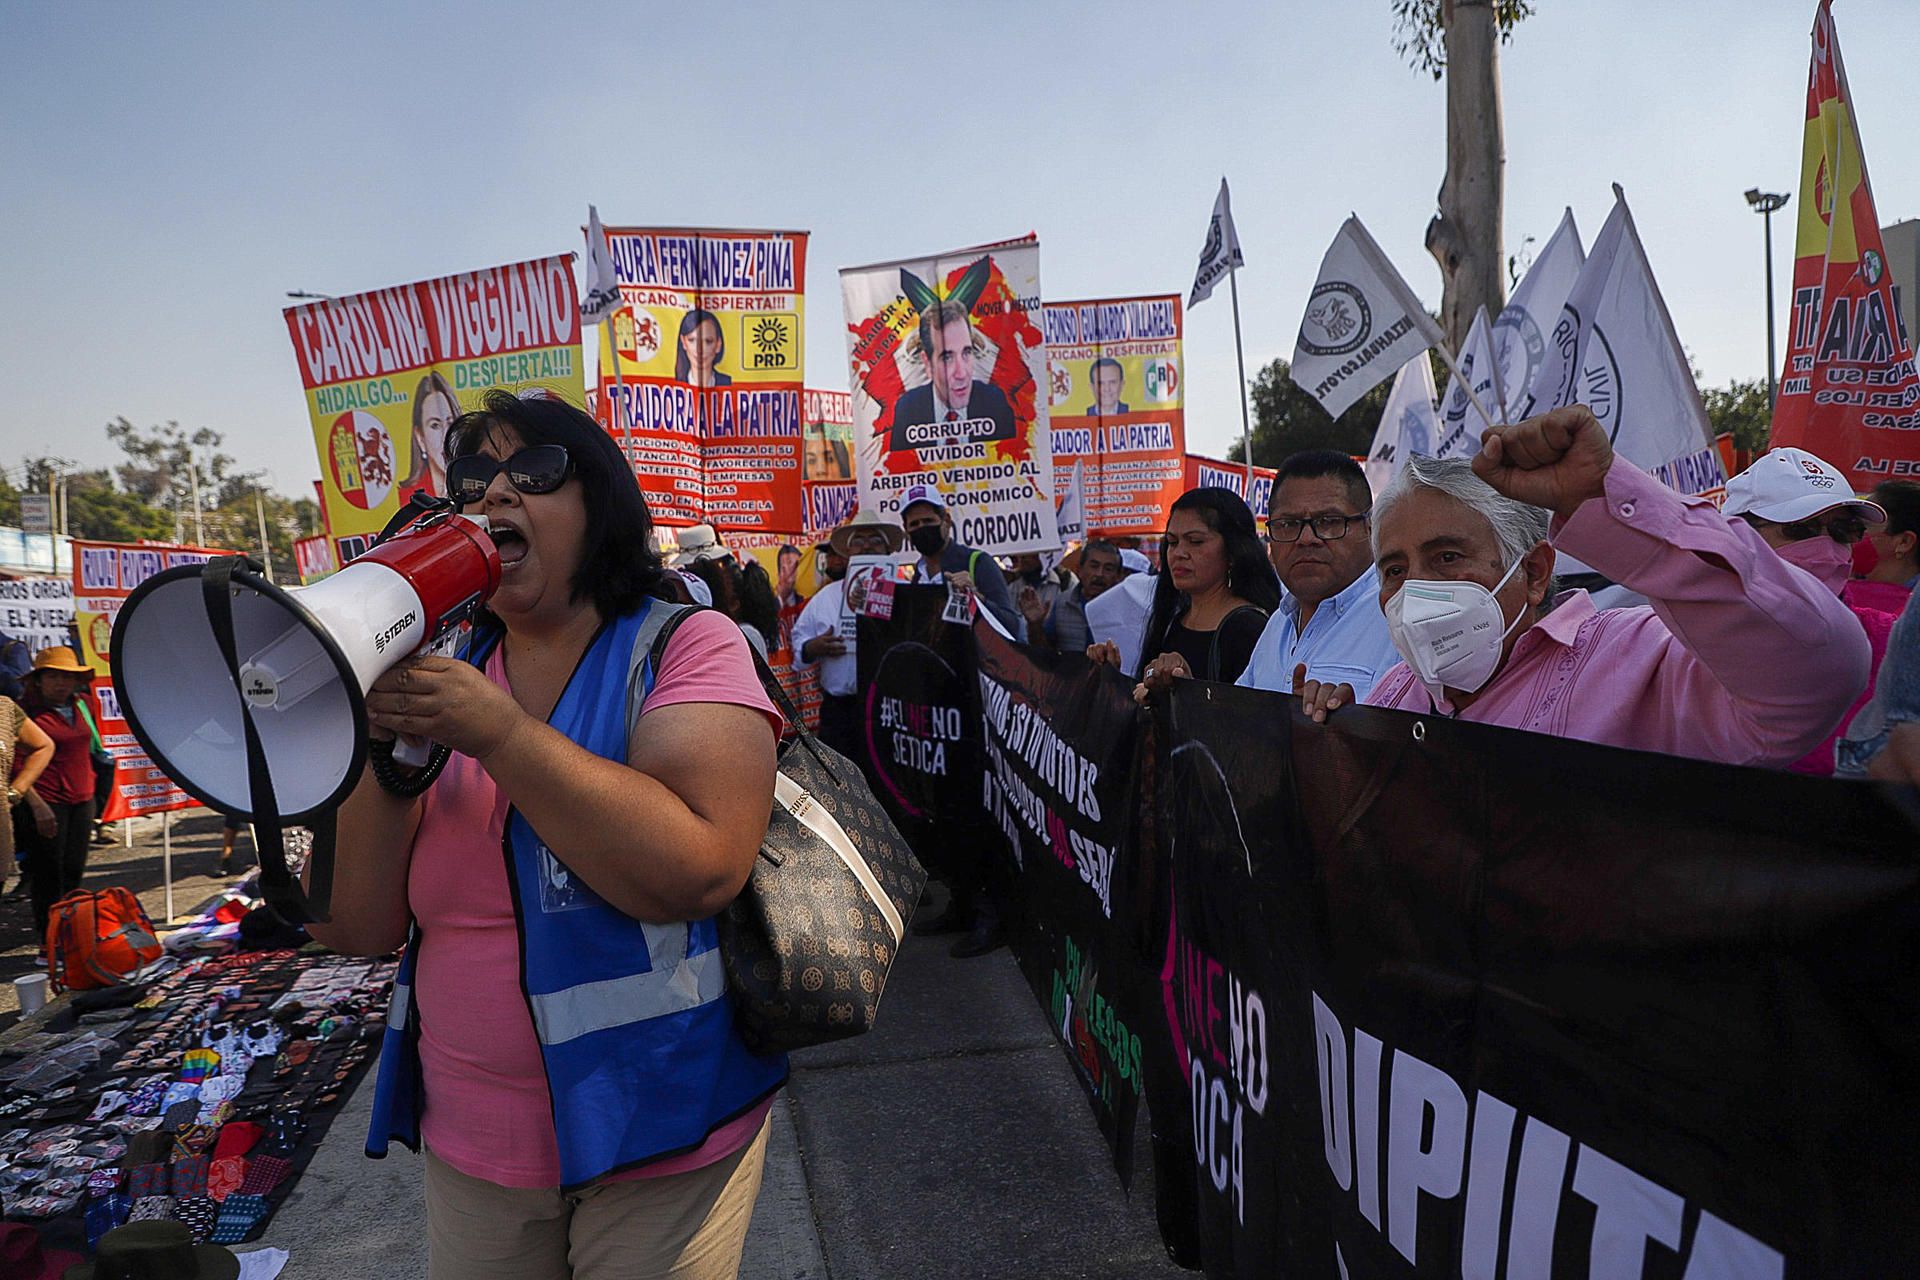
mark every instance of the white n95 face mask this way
{"type": "Point", "coordinates": [1450, 633]}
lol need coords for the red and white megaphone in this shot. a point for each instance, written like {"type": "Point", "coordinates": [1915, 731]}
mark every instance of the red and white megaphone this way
{"type": "Point", "coordinates": [252, 696]}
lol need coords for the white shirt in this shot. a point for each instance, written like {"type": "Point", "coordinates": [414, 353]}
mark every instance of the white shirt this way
{"type": "Point", "coordinates": [1120, 614]}
{"type": "Point", "coordinates": [840, 674]}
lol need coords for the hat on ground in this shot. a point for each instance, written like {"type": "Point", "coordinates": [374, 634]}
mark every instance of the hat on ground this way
{"type": "Point", "coordinates": [156, 1249]}
{"type": "Point", "coordinates": [1789, 485]}
{"type": "Point", "coordinates": [698, 543]}
{"type": "Point", "coordinates": [922, 493]}
{"type": "Point", "coordinates": [59, 658]}
{"type": "Point", "coordinates": [1134, 561]}
{"type": "Point", "coordinates": [895, 535]}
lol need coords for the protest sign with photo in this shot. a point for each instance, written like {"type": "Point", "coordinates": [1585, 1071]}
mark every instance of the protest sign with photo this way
{"type": "Point", "coordinates": [832, 493]}
{"type": "Point", "coordinates": [709, 347]}
{"type": "Point", "coordinates": [386, 372]}
{"type": "Point", "coordinates": [1438, 994]}
{"type": "Point", "coordinates": [104, 575]}
{"type": "Point", "coordinates": [1057, 745]}
{"type": "Point", "coordinates": [1114, 387]}
{"type": "Point", "coordinates": [949, 366]}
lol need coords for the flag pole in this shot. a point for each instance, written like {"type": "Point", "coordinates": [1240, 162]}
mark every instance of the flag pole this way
{"type": "Point", "coordinates": [1466, 385]}
{"type": "Point", "coordinates": [1239, 352]}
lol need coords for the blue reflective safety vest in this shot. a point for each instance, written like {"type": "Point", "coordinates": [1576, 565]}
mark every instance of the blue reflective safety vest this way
{"type": "Point", "coordinates": [634, 1024]}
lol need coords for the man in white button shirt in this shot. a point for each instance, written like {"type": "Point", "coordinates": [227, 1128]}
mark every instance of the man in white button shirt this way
{"type": "Point", "coordinates": [820, 637]}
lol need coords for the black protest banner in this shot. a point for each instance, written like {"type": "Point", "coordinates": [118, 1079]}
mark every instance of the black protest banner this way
{"type": "Point", "coordinates": [1058, 744]}
{"type": "Point", "coordinates": [1451, 1000]}
{"type": "Point", "coordinates": [922, 727]}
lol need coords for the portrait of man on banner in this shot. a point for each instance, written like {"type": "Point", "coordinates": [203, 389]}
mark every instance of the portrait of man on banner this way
{"type": "Point", "coordinates": [955, 401]}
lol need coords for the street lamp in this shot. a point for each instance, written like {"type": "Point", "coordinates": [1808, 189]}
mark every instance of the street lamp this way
{"type": "Point", "coordinates": [1766, 204]}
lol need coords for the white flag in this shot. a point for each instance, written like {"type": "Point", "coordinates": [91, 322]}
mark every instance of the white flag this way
{"type": "Point", "coordinates": [1520, 330]}
{"type": "Point", "coordinates": [1463, 417]}
{"type": "Point", "coordinates": [1220, 254]}
{"type": "Point", "coordinates": [1072, 518]}
{"type": "Point", "coordinates": [1615, 351]}
{"type": "Point", "coordinates": [1409, 427]}
{"type": "Point", "coordinates": [1362, 323]}
{"type": "Point", "coordinates": [602, 294]}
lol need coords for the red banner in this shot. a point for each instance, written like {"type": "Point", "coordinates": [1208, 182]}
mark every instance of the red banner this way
{"type": "Point", "coordinates": [1850, 392]}
{"type": "Point", "coordinates": [1232, 475]}
{"type": "Point", "coordinates": [104, 574]}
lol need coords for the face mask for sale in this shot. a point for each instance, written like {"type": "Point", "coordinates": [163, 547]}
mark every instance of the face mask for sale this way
{"type": "Point", "coordinates": [928, 540]}
{"type": "Point", "coordinates": [1450, 633]}
{"type": "Point", "coordinates": [1822, 557]}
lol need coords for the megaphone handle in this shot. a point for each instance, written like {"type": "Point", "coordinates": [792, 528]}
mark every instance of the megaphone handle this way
{"type": "Point", "coordinates": [277, 883]}
{"type": "Point", "coordinates": [415, 753]}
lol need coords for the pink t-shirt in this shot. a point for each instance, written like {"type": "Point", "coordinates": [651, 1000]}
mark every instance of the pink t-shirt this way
{"type": "Point", "coordinates": [487, 1112]}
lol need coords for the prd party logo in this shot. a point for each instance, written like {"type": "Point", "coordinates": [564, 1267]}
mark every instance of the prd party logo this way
{"type": "Point", "coordinates": [773, 341]}
{"type": "Point", "coordinates": [1338, 320]}
{"type": "Point", "coordinates": [1162, 380]}
{"type": "Point", "coordinates": [360, 456]}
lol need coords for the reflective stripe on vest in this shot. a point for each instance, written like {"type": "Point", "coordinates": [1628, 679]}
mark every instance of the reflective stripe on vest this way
{"type": "Point", "coordinates": [566, 1015]}
{"type": "Point", "coordinates": [400, 1006]}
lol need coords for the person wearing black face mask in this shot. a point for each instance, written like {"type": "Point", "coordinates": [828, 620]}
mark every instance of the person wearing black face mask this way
{"type": "Point", "coordinates": [930, 529]}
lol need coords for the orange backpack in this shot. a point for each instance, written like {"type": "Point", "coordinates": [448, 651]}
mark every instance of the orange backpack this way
{"type": "Point", "coordinates": [97, 939]}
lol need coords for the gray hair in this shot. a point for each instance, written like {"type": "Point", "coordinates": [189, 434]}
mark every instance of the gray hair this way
{"type": "Point", "coordinates": [1517, 526]}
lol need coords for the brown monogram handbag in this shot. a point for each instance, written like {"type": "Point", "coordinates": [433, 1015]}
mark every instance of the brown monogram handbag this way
{"type": "Point", "coordinates": [808, 943]}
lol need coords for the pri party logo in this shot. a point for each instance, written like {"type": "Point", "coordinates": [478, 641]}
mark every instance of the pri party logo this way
{"type": "Point", "coordinates": [1162, 380]}
{"type": "Point", "coordinates": [1338, 320]}
{"type": "Point", "coordinates": [360, 456]}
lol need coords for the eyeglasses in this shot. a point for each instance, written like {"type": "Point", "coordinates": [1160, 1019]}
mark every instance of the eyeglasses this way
{"type": "Point", "coordinates": [1846, 528]}
{"type": "Point", "coordinates": [1325, 528]}
{"type": "Point", "coordinates": [538, 468]}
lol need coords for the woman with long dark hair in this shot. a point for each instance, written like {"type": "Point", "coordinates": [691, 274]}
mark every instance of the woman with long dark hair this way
{"type": "Point", "coordinates": [702, 346]}
{"type": "Point", "coordinates": [561, 1039]}
{"type": "Point", "coordinates": [1215, 591]}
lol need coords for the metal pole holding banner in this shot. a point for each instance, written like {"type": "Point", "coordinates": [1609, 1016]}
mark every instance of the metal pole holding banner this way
{"type": "Point", "coordinates": [166, 857]}
{"type": "Point", "coordinates": [1240, 355]}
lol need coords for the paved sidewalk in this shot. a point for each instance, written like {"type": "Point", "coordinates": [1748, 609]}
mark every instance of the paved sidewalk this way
{"type": "Point", "coordinates": [951, 1142]}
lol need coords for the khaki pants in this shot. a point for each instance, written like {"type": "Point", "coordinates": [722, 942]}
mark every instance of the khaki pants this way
{"type": "Point", "coordinates": [685, 1226]}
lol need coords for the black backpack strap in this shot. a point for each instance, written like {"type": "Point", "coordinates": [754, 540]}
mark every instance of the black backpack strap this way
{"type": "Point", "coordinates": [277, 884]}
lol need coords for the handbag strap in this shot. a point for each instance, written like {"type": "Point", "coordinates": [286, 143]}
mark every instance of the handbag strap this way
{"type": "Point", "coordinates": [656, 651]}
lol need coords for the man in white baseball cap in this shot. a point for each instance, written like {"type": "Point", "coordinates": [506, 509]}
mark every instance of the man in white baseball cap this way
{"type": "Point", "coordinates": [1808, 514]}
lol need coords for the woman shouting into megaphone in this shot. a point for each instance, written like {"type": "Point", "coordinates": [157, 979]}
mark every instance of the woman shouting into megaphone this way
{"type": "Point", "coordinates": [561, 1039]}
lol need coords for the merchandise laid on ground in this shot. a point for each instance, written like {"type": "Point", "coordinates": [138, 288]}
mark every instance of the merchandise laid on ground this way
{"type": "Point", "coordinates": [198, 1094]}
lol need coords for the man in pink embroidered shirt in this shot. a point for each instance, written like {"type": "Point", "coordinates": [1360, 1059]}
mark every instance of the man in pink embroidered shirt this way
{"type": "Point", "coordinates": [1742, 658]}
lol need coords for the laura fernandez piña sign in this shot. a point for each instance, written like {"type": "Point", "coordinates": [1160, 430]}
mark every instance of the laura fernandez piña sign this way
{"type": "Point", "coordinates": [948, 367]}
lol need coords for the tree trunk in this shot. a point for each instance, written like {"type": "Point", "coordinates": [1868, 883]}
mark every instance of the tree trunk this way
{"type": "Point", "coordinates": [1465, 236]}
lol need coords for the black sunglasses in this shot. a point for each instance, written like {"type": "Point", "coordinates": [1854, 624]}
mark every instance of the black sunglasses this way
{"type": "Point", "coordinates": [538, 468]}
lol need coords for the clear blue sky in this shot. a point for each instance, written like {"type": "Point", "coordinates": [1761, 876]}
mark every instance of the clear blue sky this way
{"type": "Point", "coordinates": [168, 171]}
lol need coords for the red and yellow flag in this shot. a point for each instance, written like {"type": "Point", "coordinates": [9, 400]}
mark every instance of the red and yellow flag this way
{"type": "Point", "coordinates": [1849, 392]}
